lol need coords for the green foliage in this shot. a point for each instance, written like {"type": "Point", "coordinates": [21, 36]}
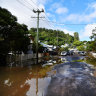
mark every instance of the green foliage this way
{"type": "Point", "coordinates": [40, 48]}
{"type": "Point", "coordinates": [93, 34]}
{"type": "Point", "coordinates": [91, 46]}
{"type": "Point", "coordinates": [13, 36]}
{"type": "Point", "coordinates": [77, 43]}
{"type": "Point", "coordinates": [76, 36]}
{"type": "Point", "coordinates": [52, 37]}
{"type": "Point", "coordinates": [81, 45]}
{"type": "Point", "coordinates": [63, 49]}
{"type": "Point", "coordinates": [81, 48]}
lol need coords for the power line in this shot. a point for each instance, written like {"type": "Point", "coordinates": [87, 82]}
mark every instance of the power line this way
{"type": "Point", "coordinates": [51, 26]}
{"type": "Point", "coordinates": [31, 10]}
{"type": "Point", "coordinates": [47, 19]}
{"type": "Point", "coordinates": [66, 23]}
{"type": "Point", "coordinates": [23, 4]}
{"type": "Point", "coordinates": [58, 22]}
{"type": "Point", "coordinates": [29, 4]}
{"type": "Point", "coordinates": [34, 3]}
{"type": "Point", "coordinates": [44, 12]}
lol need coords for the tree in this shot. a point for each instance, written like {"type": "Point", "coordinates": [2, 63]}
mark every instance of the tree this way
{"type": "Point", "coordinates": [91, 46]}
{"type": "Point", "coordinates": [81, 48]}
{"type": "Point", "coordinates": [76, 36]}
{"type": "Point", "coordinates": [12, 34]}
{"type": "Point", "coordinates": [77, 43]}
{"type": "Point", "coordinates": [63, 49]}
{"type": "Point", "coordinates": [93, 34]}
{"type": "Point", "coordinates": [52, 37]}
{"type": "Point", "coordinates": [7, 21]}
{"type": "Point", "coordinates": [19, 40]}
{"type": "Point", "coordinates": [40, 48]}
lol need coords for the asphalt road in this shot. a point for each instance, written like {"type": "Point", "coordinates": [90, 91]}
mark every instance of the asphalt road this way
{"type": "Point", "coordinates": [72, 79]}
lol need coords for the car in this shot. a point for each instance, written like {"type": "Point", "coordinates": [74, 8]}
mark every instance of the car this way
{"type": "Point", "coordinates": [70, 52]}
{"type": "Point", "coordinates": [10, 53]}
{"type": "Point", "coordinates": [82, 53]}
{"type": "Point", "coordinates": [63, 53]}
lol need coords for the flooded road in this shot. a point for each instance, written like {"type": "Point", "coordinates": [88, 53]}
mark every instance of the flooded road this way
{"type": "Point", "coordinates": [50, 78]}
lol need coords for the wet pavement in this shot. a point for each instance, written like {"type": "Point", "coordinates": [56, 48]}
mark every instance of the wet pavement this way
{"type": "Point", "coordinates": [72, 79]}
{"type": "Point", "coordinates": [50, 78]}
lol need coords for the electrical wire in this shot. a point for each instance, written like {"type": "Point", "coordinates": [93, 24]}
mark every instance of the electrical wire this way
{"type": "Point", "coordinates": [57, 23]}
{"type": "Point", "coordinates": [46, 17]}
{"type": "Point", "coordinates": [29, 4]}
{"type": "Point", "coordinates": [23, 4]}
{"type": "Point", "coordinates": [44, 13]}
{"type": "Point", "coordinates": [67, 24]}
{"type": "Point", "coordinates": [51, 26]}
{"type": "Point", "coordinates": [35, 4]}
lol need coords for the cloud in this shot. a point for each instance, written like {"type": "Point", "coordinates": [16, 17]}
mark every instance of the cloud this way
{"type": "Point", "coordinates": [92, 5]}
{"type": "Point", "coordinates": [66, 30]}
{"type": "Point", "coordinates": [42, 1]}
{"type": "Point", "coordinates": [72, 17]}
{"type": "Point", "coordinates": [69, 31]}
{"type": "Point", "coordinates": [83, 17]}
{"type": "Point", "coordinates": [62, 10]}
{"type": "Point", "coordinates": [56, 5]}
{"type": "Point", "coordinates": [24, 13]}
{"type": "Point", "coordinates": [87, 31]}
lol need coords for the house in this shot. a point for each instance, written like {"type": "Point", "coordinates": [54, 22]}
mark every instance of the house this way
{"type": "Point", "coordinates": [64, 46]}
{"type": "Point", "coordinates": [49, 47]}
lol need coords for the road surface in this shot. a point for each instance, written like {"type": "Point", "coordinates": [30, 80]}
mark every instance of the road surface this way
{"type": "Point", "coordinates": [72, 79]}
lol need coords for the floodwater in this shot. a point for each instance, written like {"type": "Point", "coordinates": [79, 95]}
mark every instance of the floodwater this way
{"type": "Point", "coordinates": [49, 78]}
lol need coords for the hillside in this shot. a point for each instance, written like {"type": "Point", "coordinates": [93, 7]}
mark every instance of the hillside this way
{"type": "Point", "coordinates": [52, 37]}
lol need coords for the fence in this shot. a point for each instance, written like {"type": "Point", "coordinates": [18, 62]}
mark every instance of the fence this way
{"type": "Point", "coordinates": [22, 57]}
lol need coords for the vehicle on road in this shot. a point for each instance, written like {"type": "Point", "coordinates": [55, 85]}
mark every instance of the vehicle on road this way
{"type": "Point", "coordinates": [71, 52]}
{"type": "Point", "coordinates": [82, 53]}
{"type": "Point", "coordinates": [63, 53]}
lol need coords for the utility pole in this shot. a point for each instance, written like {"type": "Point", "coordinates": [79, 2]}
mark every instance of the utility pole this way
{"type": "Point", "coordinates": [37, 38]}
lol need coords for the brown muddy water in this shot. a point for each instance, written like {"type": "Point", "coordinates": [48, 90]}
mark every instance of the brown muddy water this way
{"type": "Point", "coordinates": [49, 78]}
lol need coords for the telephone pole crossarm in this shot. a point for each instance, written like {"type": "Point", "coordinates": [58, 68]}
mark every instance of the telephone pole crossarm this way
{"type": "Point", "coordinates": [38, 11]}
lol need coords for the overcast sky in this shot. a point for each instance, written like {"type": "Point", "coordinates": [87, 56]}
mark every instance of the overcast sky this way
{"type": "Point", "coordinates": [60, 12]}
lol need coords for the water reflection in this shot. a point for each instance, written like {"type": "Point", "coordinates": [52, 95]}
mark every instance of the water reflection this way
{"type": "Point", "coordinates": [26, 80]}
{"type": "Point", "coordinates": [30, 62]}
{"type": "Point", "coordinates": [37, 86]}
{"type": "Point", "coordinates": [67, 79]}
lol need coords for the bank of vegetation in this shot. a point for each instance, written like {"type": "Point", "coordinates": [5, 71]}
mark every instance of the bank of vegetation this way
{"type": "Point", "coordinates": [52, 37]}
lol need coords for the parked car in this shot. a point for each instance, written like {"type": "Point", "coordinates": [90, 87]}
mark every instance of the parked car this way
{"type": "Point", "coordinates": [70, 52]}
{"type": "Point", "coordinates": [63, 53]}
{"type": "Point", "coordinates": [82, 53]}
{"type": "Point", "coordinates": [10, 53]}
